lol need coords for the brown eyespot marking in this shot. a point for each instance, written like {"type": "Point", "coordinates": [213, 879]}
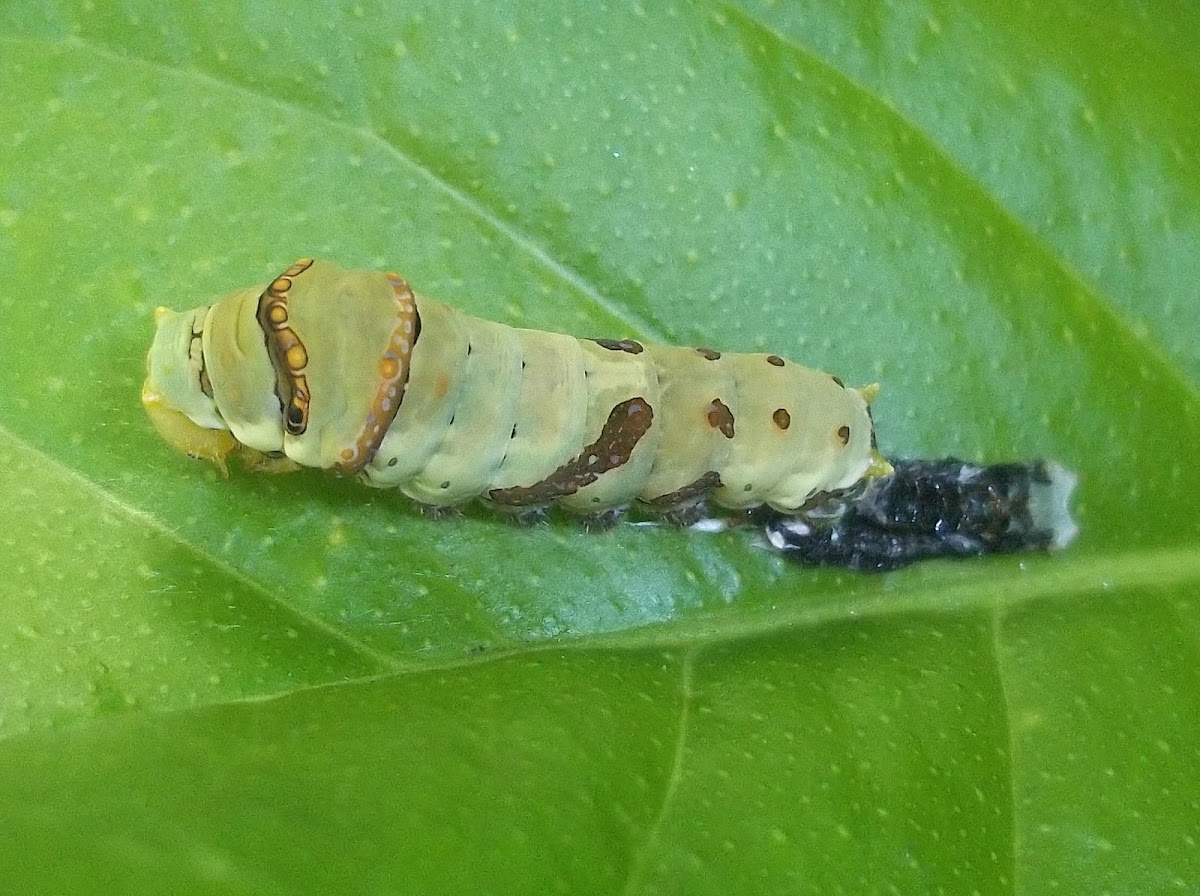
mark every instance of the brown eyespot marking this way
{"type": "Point", "coordinates": [393, 380]}
{"type": "Point", "coordinates": [626, 424]}
{"type": "Point", "coordinates": [720, 417]}
{"type": "Point", "coordinates": [690, 492]}
{"type": "Point", "coordinates": [775, 360]}
{"type": "Point", "coordinates": [782, 418]}
{"type": "Point", "coordinates": [287, 351]}
{"type": "Point", "coordinates": [843, 435]}
{"type": "Point", "coordinates": [709, 354]}
{"type": "Point", "coordinates": [620, 345]}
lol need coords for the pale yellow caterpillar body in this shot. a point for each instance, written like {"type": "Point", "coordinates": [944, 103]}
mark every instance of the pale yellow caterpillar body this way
{"type": "Point", "coordinates": [353, 371]}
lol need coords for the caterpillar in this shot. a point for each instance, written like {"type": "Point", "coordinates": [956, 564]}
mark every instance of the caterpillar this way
{"type": "Point", "coordinates": [354, 372]}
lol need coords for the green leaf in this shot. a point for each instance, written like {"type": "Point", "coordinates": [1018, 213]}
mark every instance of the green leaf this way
{"type": "Point", "coordinates": [294, 684]}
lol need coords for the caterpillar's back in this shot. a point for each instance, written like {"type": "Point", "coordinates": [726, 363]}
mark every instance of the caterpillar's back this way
{"type": "Point", "coordinates": [352, 370]}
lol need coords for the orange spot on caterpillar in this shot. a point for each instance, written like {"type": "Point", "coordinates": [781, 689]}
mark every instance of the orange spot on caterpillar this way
{"type": "Point", "coordinates": [296, 357]}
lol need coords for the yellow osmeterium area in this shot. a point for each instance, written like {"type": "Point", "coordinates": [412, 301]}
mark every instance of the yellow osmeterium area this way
{"type": "Point", "coordinates": [181, 433]}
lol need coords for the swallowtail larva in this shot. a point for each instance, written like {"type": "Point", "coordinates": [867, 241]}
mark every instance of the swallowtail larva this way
{"type": "Point", "coordinates": [354, 372]}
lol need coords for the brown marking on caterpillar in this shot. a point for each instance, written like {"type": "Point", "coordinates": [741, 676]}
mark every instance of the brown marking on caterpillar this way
{"type": "Point", "coordinates": [782, 418]}
{"type": "Point", "coordinates": [775, 360]}
{"type": "Point", "coordinates": [709, 354]}
{"type": "Point", "coordinates": [393, 371]}
{"type": "Point", "coordinates": [838, 380]}
{"type": "Point", "coordinates": [631, 346]}
{"type": "Point", "coordinates": [720, 417]}
{"type": "Point", "coordinates": [843, 435]}
{"type": "Point", "coordinates": [288, 353]}
{"type": "Point", "coordinates": [627, 423]}
{"type": "Point", "coordinates": [688, 493]}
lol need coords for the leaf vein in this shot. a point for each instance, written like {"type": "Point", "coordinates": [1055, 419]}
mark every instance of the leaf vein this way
{"type": "Point", "coordinates": [369, 133]}
{"type": "Point", "coordinates": [640, 866]}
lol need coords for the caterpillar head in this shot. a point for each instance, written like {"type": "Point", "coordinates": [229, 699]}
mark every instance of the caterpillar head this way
{"type": "Point", "coordinates": [177, 396]}
{"type": "Point", "coordinates": [192, 406]}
